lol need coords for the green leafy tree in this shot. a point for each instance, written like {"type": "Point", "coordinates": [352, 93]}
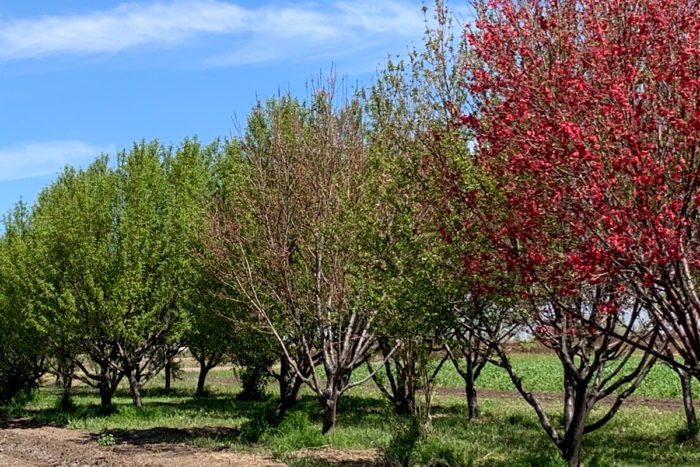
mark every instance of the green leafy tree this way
{"type": "Point", "coordinates": [23, 356]}
{"type": "Point", "coordinates": [210, 335]}
{"type": "Point", "coordinates": [411, 256]}
{"type": "Point", "coordinates": [116, 266]}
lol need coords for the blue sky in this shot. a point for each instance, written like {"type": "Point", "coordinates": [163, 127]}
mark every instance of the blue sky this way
{"type": "Point", "coordinates": [78, 78]}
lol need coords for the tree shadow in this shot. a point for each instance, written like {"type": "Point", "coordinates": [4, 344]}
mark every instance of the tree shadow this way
{"type": "Point", "coordinates": [165, 435]}
{"type": "Point", "coordinates": [155, 392]}
{"type": "Point", "coordinates": [302, 461]}
{"type": "Point", "coordinates": [24, 423]}
{"type": "Point", "coordinates": [498, 427]}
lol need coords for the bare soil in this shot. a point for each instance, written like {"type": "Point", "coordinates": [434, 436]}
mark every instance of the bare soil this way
{"type": "Point", "coordinates": [24, 443]}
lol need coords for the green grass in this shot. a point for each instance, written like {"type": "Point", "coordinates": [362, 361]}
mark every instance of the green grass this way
{"type": "Point", "coordinates": [540, 372]}
{"type": "Point", "coordinates": [543, 372]}
{"type": "Point", "coordinates": [507, 434]}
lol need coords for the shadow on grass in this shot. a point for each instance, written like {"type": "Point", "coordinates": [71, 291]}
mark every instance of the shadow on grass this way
{"type": "Point", "coordinates": [23, 423]}
{"type": "Point", "coordinates": [56, 417]}
{"type": "Point", "coordinates": [164, 435]}
{"type": "Point", "coordinates": [502, 432]}
{"type": "Point", "coordinates": [156, 392]}
{"type": "Point", "coordinates": [313, 462]}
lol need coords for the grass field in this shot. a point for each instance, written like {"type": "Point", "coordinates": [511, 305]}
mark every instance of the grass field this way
{"type": "Point", "coordinates": [507, 434]}
{"type": "Point", "coordinates": [543, 372]}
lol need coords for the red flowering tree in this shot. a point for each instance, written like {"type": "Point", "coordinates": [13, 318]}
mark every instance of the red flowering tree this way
{"type": "Point", "coordinates": [589, 115]}
{"type": "Point", "coordinates": [587, 119]}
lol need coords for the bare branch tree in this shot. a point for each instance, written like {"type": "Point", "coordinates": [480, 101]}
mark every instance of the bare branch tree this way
{"type": "Point", "coordinates": [285, 241]}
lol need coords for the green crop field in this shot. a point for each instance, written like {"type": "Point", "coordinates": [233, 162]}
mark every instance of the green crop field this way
{"type": "Point", "coordinates": [543, 372]}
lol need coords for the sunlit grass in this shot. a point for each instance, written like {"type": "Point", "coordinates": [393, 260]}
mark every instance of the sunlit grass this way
{"type": "Point", "coordinates": [508, 433]}
{"type": "Point", "coordinates": [543, 372]}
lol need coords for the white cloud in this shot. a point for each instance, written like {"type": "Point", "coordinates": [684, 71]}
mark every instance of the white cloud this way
{"type": "Point", "coordinates": [382, 17]}
{"type": "Point", "coordinates": [134, 25]}
{"type": "Point", "coordinates": [35, 159]}
{"type": "Point", "coordinates": [126, 26]}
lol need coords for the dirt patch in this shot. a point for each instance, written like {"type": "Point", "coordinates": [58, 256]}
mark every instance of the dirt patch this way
{"type": "Point", "coordinates": [670, 405]}
{"type": "Point", "coordinates": [345, 457]}
{"type": "Point", "coordinates": [24, 444]}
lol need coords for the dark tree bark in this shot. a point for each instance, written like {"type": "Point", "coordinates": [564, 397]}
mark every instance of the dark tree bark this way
{"type": "Point", "coordinates": [401, 376]}
{"type": "Point", "coordinates": [108, 380]}
{"type": "Point", "coordinates": [329, 415]}
{"type": "Point", "coordinates": [475, 358]}
{"type": "Point", "coordinates": [107, 386]}
{"type": "Point", "coordinates": [168, 374]}
{"type": "Point", "coordinates": [207, 361]}
{"type": "Point", "coordinates": [65, 370]}
{"type": "Point", "coordinates": [104, 372]}
{"type": "Point", "coordinates": [402, 372]}
{"type": "Point", "coordinates": [290, 384]}
{"type": "Point", "coordinates": [66, 401]}
{"type": "Point", "coordinates": [253, 380]}
{"type": "Point", "coordinates": [577, 406]}
{"type": "Point", "coordinates": [203, 372]}
{"type": "Point", "coordinates": [106, 396]}
{"type": "Point", "coordinates": [135, 388]}
{"type": "Point", "coordinates": [470, 391]}
{"type": "Point", "coordinates": [690, 417]}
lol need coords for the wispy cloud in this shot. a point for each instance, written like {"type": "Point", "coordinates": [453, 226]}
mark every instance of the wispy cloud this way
{"type": "Point", "coordinates": [288, 28]}
{"type": "Point", "coordinates": [29, 160]}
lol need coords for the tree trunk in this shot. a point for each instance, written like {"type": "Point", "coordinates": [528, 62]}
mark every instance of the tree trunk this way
{"type": "Point", "coordinates": [572, 455]}
{"type": "Point", "coordinates": [135, 388]}
{"type": "Point", "coordinates": [168, 374]}
{"type": "Point", "coordinates": [402, 405]}
{"type": "Point", "coordinates": [575, 415]}
{"type": "Point", "coordinates": [405, 394]}
{"type": "Point", "coordinates": [66, 371]}
{"type": "Point", "coordinates": [66, 402]}
{"type": "Point", "coordinates": [106, 392]}
{"type": "Point", "coordinates": [329, 415]}
{"type": "Point", "coordinates": [690, 417]}
{"type": "Point", "coordinates": [203, 371]}
{"type": "Point", "coordinates": [289, 394]}
{"type": "Point", "coordinates": [470, 390]}
{"type": "Point", "coordinates": [571, 446]}
{"type": "Point", "coordinates": [472, 401]}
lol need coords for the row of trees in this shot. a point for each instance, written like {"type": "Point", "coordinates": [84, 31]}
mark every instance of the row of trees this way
{"type": "Point", "coordinates": [536, 174]}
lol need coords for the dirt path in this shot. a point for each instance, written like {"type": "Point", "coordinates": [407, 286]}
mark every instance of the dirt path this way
{"type": "Point", "coordinates": [26, 444]}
